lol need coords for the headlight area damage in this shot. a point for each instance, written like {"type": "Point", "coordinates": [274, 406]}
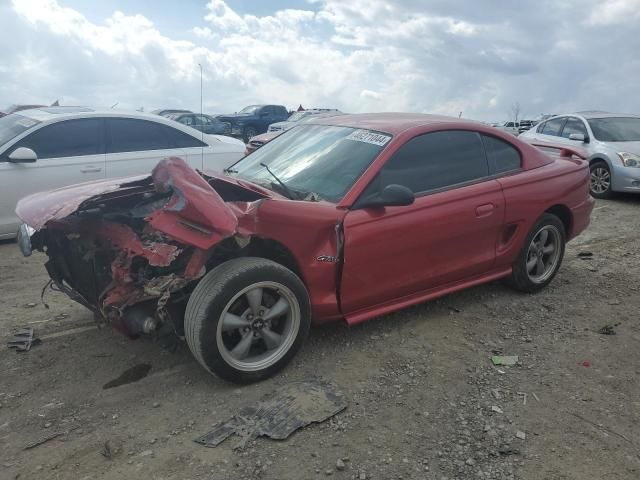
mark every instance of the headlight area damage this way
{"type": "Point", "coordinates": [131, 252]}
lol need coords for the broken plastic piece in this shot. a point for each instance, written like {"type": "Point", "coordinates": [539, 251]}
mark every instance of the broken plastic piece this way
{"type": "Point", "coordinates": [23, 340]}
{"type": "Point", "coordinates": [607, 330]}
{"type": "Point", "coordinates": [504, 360]}
{"type": "Point", "coordinates": [280, 414]}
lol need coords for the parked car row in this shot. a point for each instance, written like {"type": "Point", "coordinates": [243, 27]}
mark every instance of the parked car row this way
{"type": "Point", "coordinates": [515, 128]}
{"type": "Point", "coordinates": [259, 140]}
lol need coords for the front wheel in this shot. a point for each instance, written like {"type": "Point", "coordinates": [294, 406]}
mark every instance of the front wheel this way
{"type": "Point", "coordinates": [247, 318]}
{"type": "Point", "coordinates": [541, 256]}
{"type": "Point", "coordinates": [600, 180]}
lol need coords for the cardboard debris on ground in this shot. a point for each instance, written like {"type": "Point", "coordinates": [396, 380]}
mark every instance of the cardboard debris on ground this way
{"type": "Point", "coordinates": [280, 414]}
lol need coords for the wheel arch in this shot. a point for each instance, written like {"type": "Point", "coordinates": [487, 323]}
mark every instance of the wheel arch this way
{"type": "Point", "coordinates": [600, 158]}
{"type": "Point", "coordinates": [260, 247]}
{"type": "Point", "coordinates": [564, 214]}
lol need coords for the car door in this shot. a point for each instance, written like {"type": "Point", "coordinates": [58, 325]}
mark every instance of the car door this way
{"type": "Point", "coordinates": [68, 151]}
{"type": "Point", "coordinates": [266, 118]}
{"type": "Point", "coordinates": [135, 146]}
{"type": "Point", "coordinates": [448, 234]}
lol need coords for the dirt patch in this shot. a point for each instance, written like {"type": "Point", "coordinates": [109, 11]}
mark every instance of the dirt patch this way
{"type": "Point", "coordinates": [420, 384]}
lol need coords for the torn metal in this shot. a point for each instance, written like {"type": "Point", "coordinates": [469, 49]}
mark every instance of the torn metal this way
{"type": "Point", "coordinates": [277, 416]}
{"type": "Point", "coordinates": [114, 245]}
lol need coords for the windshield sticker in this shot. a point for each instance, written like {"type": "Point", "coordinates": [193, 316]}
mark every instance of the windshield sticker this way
{"type": "Point", "coordinates": [27, 122]}
{"type": "Point", "coordinates": [369, 137]}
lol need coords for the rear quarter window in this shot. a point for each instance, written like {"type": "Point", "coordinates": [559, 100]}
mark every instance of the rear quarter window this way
{"type": "Point", "coordinates": [502, 156]}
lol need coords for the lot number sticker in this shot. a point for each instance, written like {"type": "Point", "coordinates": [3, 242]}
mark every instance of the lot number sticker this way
{"type": "Point", "coordinates": [369, 137]}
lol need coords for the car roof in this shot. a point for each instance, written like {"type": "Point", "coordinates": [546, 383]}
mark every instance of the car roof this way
{"type": "Point", "coordinates": [43, 115]}
{"type": "Point", "coordinates": [393, 123]}
{"type": "Point", "coordinates": [66, 113]}
{"type": "Point", "coordinates": [600, 114]}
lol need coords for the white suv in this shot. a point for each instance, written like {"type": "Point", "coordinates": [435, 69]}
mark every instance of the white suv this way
{"type": "Point", "coordinates": [47, 148]}
{"type": "Point", "coordinates": [611, 140]}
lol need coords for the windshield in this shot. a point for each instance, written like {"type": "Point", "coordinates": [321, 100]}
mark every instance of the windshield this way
{"type": "Point", "coordinates": [318, 162]}
{"type": "Point", "coordinates": [13, 125]}
{"type": "Point", "coordinates": [619, 129]}
{"type": "Point", "coordinates": [250, 109]}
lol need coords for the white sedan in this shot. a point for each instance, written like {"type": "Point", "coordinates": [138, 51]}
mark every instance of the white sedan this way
{"type": "Point", "coordinates": [47, 148]}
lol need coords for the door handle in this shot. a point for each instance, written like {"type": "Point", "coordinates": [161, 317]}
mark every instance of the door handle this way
{"type": "Point", "coordinates": [91, 169]}
{"type": "Point", "coordinates": [484, 210]}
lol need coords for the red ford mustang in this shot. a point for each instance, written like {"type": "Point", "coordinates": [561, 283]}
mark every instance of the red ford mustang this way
{"type": "Point", "coordinates": [346, 219]}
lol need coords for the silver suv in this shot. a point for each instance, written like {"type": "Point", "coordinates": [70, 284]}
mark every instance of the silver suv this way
{"type": "Point", "coordinates": [611, 140]}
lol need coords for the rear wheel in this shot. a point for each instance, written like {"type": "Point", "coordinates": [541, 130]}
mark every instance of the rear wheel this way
{"type": "Point", "coordinates": [247, 318]}
{"type": "Point", "coordinates": [600, 182]}
{"type": "Point", "coordinates": [541, 255]}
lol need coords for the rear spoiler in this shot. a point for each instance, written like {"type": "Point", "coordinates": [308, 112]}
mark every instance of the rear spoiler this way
{"type": "Point", "coordinates": [559, 150]}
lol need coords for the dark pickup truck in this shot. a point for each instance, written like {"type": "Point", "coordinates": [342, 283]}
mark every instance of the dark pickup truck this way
{"type": "Point", "coordinates": [254, 119]}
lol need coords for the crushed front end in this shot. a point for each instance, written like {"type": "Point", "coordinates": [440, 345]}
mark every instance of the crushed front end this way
{"type": "Point", "coordinates": [130, 251]}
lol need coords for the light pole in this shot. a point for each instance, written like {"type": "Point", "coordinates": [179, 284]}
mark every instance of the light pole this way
{"type": "Point", "coordinates": [201, 131]}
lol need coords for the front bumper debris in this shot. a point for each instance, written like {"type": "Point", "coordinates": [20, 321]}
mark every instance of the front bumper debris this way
{"type": "Point", "coordinates": [24, 239]}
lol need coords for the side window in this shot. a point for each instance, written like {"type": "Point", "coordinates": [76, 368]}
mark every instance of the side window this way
{"type": "Point", "coordinates": [132, 135]}
{"type": "Point", "coordinates": [553, 126]}
{"type": "Point", "coordinates": [574, 125]}
{"type": "Point", "coordinates": [435, 160]}
{"type": "Point", "coordinates": [268, 110]}
{"type": "Point", "coordinates": [187, 119]}
{"type": "Point", "coordinates": [180, 139]}
{"type": "Point", "coordinates": [502, 156]}
{"type": "Point", "coordinates": [69, 138]}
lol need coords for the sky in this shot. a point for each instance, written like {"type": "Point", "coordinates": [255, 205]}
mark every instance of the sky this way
{"type": "Point", "coordinates": [478, 57]}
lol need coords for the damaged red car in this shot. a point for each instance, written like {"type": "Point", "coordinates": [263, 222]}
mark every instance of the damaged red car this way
{"type": "Point", "coordinates": [347, 219]}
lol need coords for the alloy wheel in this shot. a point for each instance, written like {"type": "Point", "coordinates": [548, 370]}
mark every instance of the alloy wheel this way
{"type": "Point", "coordinates": [543, 254]}
{"type": "Point", "coordinates": [600, 180]}
{"type": "Point", "coordinates": [258, 326]}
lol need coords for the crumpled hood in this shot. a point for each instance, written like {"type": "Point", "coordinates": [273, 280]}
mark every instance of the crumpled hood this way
{"type": "Point", "coordinates": [194, 206]}
{"type": "Point", "coordinates": [39, 208]}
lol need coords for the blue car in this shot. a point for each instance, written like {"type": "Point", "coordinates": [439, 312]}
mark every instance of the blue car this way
{"type": "Point", "coordinates": [254, 120]}
{"type": "Point", "coordinates": [204, 123]}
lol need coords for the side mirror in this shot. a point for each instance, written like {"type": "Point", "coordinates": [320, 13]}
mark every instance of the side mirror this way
{"type": "Point", "coordinates": [23, 155]}
{"type": "Point", "coordinates": [578, 137]}
{"type": "Point", "coordinates": [391, 196]}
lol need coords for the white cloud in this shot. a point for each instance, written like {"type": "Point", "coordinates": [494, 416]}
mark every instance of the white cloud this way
{"type": "Point", "coordinates": [360, 55]}
{"type": "Point", "coordinates": [611, 12]}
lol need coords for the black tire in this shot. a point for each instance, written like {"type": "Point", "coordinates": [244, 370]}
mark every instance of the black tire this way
{"type": "Point", "coordinates": [214, 295]}
{"type": "Point", "coordinates": [598, 170]}
{"type": "Point", "coordinates": [520, 277]}
{"type": "Point", "coordinates": [249, 133]}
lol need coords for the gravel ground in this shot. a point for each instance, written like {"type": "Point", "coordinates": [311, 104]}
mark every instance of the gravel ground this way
{"type": "Point", "coordinates": [424, 400]}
